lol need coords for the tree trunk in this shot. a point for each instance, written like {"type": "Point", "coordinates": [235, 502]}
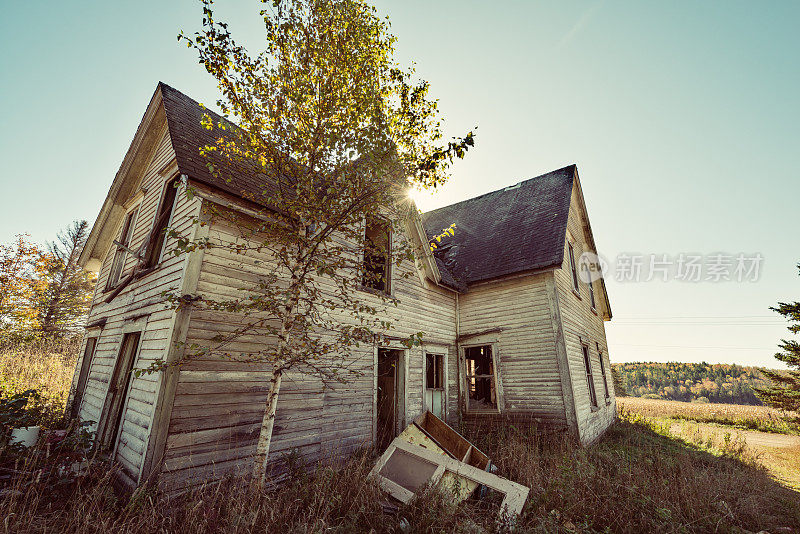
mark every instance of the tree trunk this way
{"type": "Point", "coordinates": [267, 424]}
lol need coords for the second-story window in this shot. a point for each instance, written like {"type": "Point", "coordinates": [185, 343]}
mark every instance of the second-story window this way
{"type": "Point", "coordinates": [121, 254]}
{"type": "Point", "coordinates": [591, 293]}
{"type": "Point", "coordinates": [377, 240]}
{"type": "Point", "coordinates": [158, 235]}
{"type": "Point", "coordinates": [573, 268]}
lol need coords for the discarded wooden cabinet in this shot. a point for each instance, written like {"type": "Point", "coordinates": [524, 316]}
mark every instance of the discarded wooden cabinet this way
{"type": "Point", "coordinates": [430, 452]}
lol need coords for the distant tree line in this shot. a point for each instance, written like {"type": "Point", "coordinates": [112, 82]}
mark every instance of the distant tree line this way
{"type": "Point", "coordinates": [691, 382]}
{"type": "Point", "coordinates": [44, 293]}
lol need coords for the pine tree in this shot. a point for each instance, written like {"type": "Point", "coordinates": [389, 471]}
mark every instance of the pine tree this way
{"type": "Point", "coordinates": [784, 393]}
{"type": "Point", "coordinates": [65, 290]}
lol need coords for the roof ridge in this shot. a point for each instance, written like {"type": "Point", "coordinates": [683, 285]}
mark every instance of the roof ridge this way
{"type": "Point", "coordinates": [503, 189]}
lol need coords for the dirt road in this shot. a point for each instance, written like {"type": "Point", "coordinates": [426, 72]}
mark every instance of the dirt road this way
{"type": "Point", "coordinates": [752, 438]}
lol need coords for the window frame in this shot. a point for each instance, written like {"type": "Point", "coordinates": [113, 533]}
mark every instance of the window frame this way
{"type": "Point", "coordinates": [388, 286]}
{"type": "Point", "coordinates": [153, 258]}
{"type": "Point", "coordinates": [464, 378]}
{"type": "Point", "coordinates": [573, 268]}
{"type": "Point", "coordinates": [442, 370]}
{"type": "Point", "coordinates": [587, 361]}
{"type": "Point", "coordinates": [592, 301]}
{"type": "Point", "coordinates": [119, 254]}
{"type": "Point", "coordinates": [83, 375]}
{"type": "Point", "coordinates": [603, 371]}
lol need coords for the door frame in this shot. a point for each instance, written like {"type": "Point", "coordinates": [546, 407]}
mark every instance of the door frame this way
{"type": "Point", "coordinates": [401, 387]}
{"type": "Point", "coordinates": [444, 352]}
{"type": "Point", "coordinates": [103, 441]}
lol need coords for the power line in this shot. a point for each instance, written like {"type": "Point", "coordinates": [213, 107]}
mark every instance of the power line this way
{"type": "Point", "coordinates": [685, 347]}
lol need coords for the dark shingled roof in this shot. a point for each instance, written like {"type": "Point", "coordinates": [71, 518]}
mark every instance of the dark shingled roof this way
{"type": "Point", "coordinates": [519, 228]}
{"type": "Point", "coordinates": [184, 116]}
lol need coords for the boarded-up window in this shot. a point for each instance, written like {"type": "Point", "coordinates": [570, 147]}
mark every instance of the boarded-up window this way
{"type": "Point", "coordinates": [589, 376]}
{"type": "Point", "coordinates": [376, 255]}
{"type": "Point", "coordinates": [481, 379]}
{"type": "Point", "coordinates": [603, 370]}
{"type": "Point", "coordinates": [158, 235]}
{"type": "Point", "coordinates": [121, 254]}
{"type": "Point", "coordinates": [572, 268]}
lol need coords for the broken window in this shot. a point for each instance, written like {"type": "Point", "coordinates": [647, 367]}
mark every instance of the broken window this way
{"type": "Point", "coordinates": [572, 268]}
{"type": "Point", "coordinates": [591, 295]}
{"type": "Point", "coordinates": [434, 384]}
{"type": "Point", "coordinates": [376, 255]}
{"type": "Point", "coordinates": [589, 376]}
{"type": "Point", "coordinates": [158, 235]}
{"type": "Point", "coordinates": [480, 377]}
{"type": "Point", "coordinates": [121, 252]}
{"type": "Point", "coordinates": [603, 370]}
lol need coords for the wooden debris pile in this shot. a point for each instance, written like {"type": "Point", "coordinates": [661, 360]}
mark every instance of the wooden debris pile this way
{"type": "Point", "coordinates": [430, 452]}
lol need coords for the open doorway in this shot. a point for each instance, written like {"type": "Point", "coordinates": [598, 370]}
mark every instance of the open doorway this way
{"type": "Point", "coordinates": [390, 399]}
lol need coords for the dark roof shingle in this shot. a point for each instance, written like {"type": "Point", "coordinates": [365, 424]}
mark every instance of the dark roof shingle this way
{"type": "Point", "coordinates": [184, 116]}
{"type": "Point", "coordinates": [519, 228]}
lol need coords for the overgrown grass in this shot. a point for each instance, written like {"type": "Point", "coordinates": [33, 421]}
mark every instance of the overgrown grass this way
{"type": "Point", "coordinates": [44, 367]}
{"type": "Point", "coordinates": [638, 478]}
{"type": "Point", "coordinates": [744, 417]}
{"type": "Point", "coordinates": [634, 480]}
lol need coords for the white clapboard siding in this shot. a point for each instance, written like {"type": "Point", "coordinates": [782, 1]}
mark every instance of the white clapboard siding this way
{"type": "Point", "coordinates": [583, 324]}
{"type": "Point", "coordinates": [219, 403]}
{"type": "Point", "coordinates": [529, 373]}
{"type": "Point", "coordinates": [142, 301]}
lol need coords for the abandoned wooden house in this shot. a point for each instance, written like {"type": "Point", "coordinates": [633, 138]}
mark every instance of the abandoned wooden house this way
{"type": "Point", "coordinates": [511, 329]}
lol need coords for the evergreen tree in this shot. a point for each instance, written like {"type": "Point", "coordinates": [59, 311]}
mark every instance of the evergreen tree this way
{"type": "Point", "coordinates": [784, 393]}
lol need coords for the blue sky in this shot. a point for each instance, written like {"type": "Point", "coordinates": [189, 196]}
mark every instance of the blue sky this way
{"type": "Point", "coordinates": [681, 116]}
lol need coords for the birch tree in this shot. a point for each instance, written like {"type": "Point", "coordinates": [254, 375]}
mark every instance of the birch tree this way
{"type": "Point", "coordinates": [338, 132]}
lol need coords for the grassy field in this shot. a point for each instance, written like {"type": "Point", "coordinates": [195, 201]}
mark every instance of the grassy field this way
{"type": "Point", "coordinates": [762, 418]}
{"type": "Point", "coordinates": [758, 431]}
{"type": "Point", "coordinates": [638, 478]}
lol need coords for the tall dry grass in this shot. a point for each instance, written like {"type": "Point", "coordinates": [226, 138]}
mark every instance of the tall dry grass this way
{"type": "Point", "coordinates": [45, 367]}
{"type": "Point", "coordinates": [761, 418]}
{"type": "Point", "coordinates": [636, 479]}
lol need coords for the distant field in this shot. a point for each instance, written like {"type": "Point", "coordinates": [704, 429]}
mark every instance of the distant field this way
{"type": "Point", "coordinates": [760, 418]}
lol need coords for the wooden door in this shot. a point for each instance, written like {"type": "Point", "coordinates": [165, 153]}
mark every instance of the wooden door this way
{"type": "Point", "coordinates": [111, 417]}
{"type": "Point", "coordinates": [388, 396]}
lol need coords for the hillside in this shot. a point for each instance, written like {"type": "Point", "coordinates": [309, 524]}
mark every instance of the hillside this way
{"type": "Point", "coordinates": [703, 382]}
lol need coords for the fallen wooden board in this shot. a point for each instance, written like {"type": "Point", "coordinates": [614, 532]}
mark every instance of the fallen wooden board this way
{"type": "Point", "coordinates": [404, 468]}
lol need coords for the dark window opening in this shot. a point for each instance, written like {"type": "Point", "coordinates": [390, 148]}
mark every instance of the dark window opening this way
{"type": "Point", "coordinates": [86, 364]}
{"type": "Point", "coordinates": [376, 255]}
{"type": "Point", "coordinates": [121, 254]}
{"type": "Point", "coordinates": [589, 376]}
{"type": "Point", "coordinates": [481, 379]}
{"type": "Point", "coordinates": [603, 371]}
{"type": "Point", "coordinates": [591, 294]}
{"type": "Point", "coordinates": [159, 234]}
{"type": "Point", "coordinates": [573, 269]}
{"type": "Point", "coordinates": [434, 371]}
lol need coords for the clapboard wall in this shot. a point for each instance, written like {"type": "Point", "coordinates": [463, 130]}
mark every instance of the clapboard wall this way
{"type": "Point", "coordinates": [584, 325]}
{"type": "Point", "coordinates": [520, 308]}
{"type": "Point", "coordinates": [219, 402]}
{"type": "Point", "coordinates": [139, 307]}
